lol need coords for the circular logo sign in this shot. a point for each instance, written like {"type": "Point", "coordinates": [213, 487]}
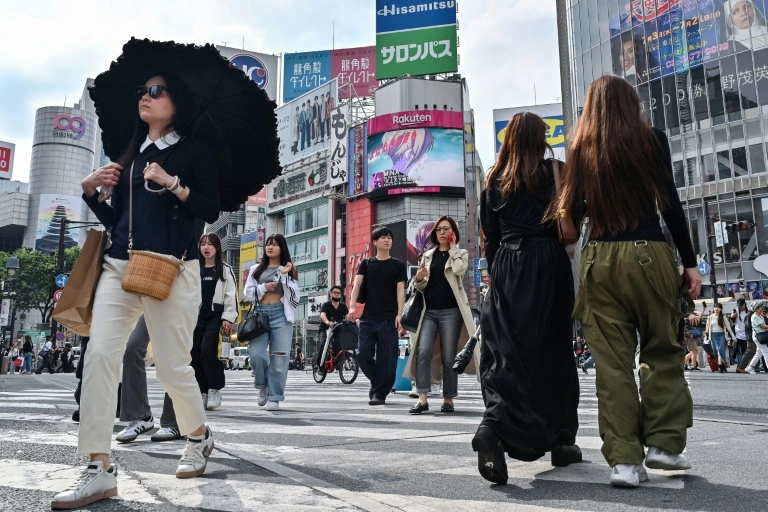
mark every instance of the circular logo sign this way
{"type": "Point", "coordinates": [252, 67]}
{"type": "Point", "coordinates": [57, 295]}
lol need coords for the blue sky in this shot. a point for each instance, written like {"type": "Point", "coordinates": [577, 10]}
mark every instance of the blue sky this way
{"type": "Point", "coordinates": [51, 47]}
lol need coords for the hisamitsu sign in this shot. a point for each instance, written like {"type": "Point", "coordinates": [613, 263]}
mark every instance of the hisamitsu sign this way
{"type": "Point", "coordinates": [416, 38]}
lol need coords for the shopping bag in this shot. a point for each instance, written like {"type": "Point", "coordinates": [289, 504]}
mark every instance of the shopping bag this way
{"type": "Point", "coordinates": [75, 308]}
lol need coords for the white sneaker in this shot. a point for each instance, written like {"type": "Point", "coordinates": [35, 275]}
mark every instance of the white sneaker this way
{"type": "Point", "coordinates": [414, 392]}
{"type": "Point", "coordinates": [435, 390]}
{"type": "Point", "coordinates": [94, 484]}
{"type": "Point", "coordinates": [660, 459]}
{"type": "Point", "coordinates": [628, 475]}
{"type": "Point", "coordinates": [273, 406]}
{"type": "Point", "coordinates": [751, 370]}
{"type": "Point", "coordinates": [262, 397]}
{"type": "Point", "coordinates": [214, 399]}
{"type": "Point", "coordinates": [195, 456]}
{"type": "Point", "coordinates": [166, 434]}
{"type": "Point", "coordinates": [205, 400]}
{"type": "Point", "coordinates": [134, 430]}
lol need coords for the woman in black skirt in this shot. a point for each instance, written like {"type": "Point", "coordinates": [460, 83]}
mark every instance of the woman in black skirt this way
{"type": "Point", "coordinates": [529, 381]}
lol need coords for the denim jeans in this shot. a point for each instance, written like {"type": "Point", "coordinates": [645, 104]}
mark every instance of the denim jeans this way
{"type": "Point", "coordinates": [271, 370]}
{"type": "Point", "coordinates": [27, 367]}
{"type": "Point", "coordinates": [447, 323]}
{"type": "Point", "coordinates": [134, 402]}
{"type": "Point", "coordinates": [719, 346]}
{"type": "Point", "coordinates": [377, 354]}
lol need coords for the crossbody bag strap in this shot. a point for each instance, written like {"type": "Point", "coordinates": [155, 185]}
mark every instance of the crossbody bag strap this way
{"type": "Point", "coordinates": [130, 208]}
{"type": "Point", "coordinates": [556, 172]}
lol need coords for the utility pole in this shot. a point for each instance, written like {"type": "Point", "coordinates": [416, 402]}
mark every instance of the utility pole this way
{"type": "Point", "coordinates": [59, 269]}
{"type": "Point", "coordinates": [710, 252]}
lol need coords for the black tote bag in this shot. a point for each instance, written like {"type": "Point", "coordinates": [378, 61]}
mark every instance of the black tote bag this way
{"type": "Point", "coordinates": [414, 308]}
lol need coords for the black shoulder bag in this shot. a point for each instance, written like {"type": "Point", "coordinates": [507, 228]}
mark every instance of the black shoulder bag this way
{"type": "Point", "coordinates": [255, 324]}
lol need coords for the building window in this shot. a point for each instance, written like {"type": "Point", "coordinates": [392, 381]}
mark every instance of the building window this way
{"type": "Point", "coordinates": [308, 218]}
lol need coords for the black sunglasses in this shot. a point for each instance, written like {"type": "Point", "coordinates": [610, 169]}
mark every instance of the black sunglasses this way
{"type": "Point", "coordinates": [154, 91]}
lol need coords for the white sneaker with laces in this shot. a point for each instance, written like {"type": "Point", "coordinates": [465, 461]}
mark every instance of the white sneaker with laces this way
{"type": "Point", "coordinates": [166, 434]}
{"type": "Point", "coordinates": [414, 392]}
{"type": "Point", "coordinates": [205, 400]}
{"type": "Point", "coordinates": [435, 390]}
{"type": "Point", "coordinates": [134, 430]}
{"type": "Point", "coordinates": [660, 459]}
{"type": "Point", "coordinates": [214, 399]}
{"type": "Point", "coordinates": [262, 397]}
{"type": "Point", "coordinates": [195, 456]}
{"type": "Point", "coordinates": [273, 406]}
{"type": "Point", "coordinates": [751, 370]}
{"type": "Point", "coordinates": [628, 475]}
{"type": "Point", "coordinates": [94, 484]}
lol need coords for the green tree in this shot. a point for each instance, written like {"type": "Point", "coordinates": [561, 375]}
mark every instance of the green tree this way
{"type": "Point", "coordinates": [35, 281]}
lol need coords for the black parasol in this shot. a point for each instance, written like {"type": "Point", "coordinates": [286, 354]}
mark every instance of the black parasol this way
{"type": "Point", "coordinates": [231, 114]}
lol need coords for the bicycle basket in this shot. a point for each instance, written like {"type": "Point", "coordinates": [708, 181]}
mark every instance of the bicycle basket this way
{"type": "Point", "coordinates": [345, 335]}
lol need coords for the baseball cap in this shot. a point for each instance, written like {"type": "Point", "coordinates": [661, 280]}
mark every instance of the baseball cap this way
{"type": "Point", "coordinates": [741, 301]}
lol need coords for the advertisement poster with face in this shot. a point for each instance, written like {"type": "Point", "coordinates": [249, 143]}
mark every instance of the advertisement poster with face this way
{"type": "Point", "coordinates": [754, 290]}
{"type": "Point", "coordinates": [53, 208]}
{"type": "Point", "coordinates": [417, 242]}
{"type": "Point", "coordinates": [416, 159]}
{"type": "Point", "coordinates": [304, 124]}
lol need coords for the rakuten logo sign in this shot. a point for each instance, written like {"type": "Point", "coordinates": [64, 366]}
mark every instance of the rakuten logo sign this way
{"type": "Point", "coordinates": [71, 127]}
{"type": "Point", "coordinates": [406, 120]}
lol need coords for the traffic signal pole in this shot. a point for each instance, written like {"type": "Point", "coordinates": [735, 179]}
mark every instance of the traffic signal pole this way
{"type": "Point", "coordinates": [59, 270]}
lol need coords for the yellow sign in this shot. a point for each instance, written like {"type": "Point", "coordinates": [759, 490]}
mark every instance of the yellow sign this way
{"type": "Point", "coordinates": [555, 132]}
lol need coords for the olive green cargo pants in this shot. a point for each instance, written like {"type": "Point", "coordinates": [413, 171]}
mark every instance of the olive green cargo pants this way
{"type": "Point", "coordinates": [629, 288]}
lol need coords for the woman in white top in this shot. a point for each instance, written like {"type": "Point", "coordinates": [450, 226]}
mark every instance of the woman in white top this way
{"type": "Point", "coordinates": [717, 326]}
{"type": "Point", "coordinates": [13, 354]}
{"type": "Point", "coordinates": [273, 286]}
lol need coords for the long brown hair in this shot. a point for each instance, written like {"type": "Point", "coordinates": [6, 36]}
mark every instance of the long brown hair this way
{"type": "Point", "coordinates": [519, 162]}
{"type": "Point", "coordinates": [613, 161]}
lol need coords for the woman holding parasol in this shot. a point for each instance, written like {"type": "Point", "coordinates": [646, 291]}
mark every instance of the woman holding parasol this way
{"type": "Point", "coordinates": [168, 175]}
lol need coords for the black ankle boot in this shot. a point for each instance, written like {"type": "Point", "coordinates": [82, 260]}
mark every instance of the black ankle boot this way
{"type": "Point", "coordinates": [567, 454]}
{"type": "Point", "coordinates": [491, 460]}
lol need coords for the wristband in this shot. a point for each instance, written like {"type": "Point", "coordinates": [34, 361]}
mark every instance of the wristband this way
{"type": "Point", "coordinates": [178, 190]}
{"type": "Point", "coordinates": [175, 184]}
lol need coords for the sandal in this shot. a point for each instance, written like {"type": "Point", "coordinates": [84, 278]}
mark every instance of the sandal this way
{"type": "Point", "coordinates": [447, 408]}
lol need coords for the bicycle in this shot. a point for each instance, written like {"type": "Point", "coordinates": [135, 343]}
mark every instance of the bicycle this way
{"type": "Point", "coordinates": [342, 359]}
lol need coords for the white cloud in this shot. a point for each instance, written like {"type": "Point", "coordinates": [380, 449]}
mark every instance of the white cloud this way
{"type": "Point", "coordinates": [51, 47]}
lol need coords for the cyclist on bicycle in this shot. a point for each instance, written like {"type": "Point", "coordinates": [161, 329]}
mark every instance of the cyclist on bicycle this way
{"type": "Point", "coordinates": [331, 313]}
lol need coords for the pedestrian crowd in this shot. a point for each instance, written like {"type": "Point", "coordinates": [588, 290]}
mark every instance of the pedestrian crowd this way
{"type": "Point", "coordinates": [628, 302]}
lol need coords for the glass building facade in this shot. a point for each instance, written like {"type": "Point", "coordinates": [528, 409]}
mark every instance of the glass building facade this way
{"type": "Point", "coordinates": [700, 68]}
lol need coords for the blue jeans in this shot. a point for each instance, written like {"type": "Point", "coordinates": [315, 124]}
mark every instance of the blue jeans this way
{"type": "Point", "coordinates": [271, 371]}
{"type": "Point", "coordinates": [377, 354]}
{"type": "Point", "coordinates": [27, 367]}
{"type": "Point", "coordinates": [719, 346]}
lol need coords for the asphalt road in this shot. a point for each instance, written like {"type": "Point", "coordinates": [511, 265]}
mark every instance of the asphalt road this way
{"type": "Point", "coordinates": [326, 449]}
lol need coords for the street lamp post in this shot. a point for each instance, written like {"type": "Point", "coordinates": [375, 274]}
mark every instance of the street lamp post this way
{"type": "Point", "coordinates": [11, 267]}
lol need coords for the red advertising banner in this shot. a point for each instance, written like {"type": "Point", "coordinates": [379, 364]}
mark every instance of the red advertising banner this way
{"type": "Point", "coordinates": [360, 217]}
{"type": "Point", "coordinates": [259, 199]}
{"type": "Point", "coordinates": [415, 119]}
{"type": "Point", "coordinates": [356, 66]}
{"type": "Point", "coordinates": [6, 159]}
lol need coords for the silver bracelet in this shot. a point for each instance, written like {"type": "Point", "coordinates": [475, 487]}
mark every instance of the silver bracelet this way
{"type": "Point", "coordinates": [175, 184]}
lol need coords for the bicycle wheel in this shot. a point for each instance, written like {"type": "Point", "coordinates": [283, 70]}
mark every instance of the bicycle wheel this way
{"type": "Point", "coordinates": [348, 369]}
{"type": "Point", "coordinates": [318, 373]}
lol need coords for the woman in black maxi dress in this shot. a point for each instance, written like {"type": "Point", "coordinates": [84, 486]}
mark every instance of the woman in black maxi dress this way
{"type": "Point", "coordinates": [529, 381]}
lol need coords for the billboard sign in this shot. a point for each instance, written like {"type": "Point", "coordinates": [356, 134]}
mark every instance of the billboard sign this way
{"type": "Point", "coordinates": [339, 145]}
{"type": "Point", "coordinates": [305, 71]}
{"type": "Point", "coordinates": [415, 119]}
{"type": "Point", "coordinates": [7, 151]}
{"type": "Point", "coordinates": [53, 208]}
{"type": "Point", "coordinates": [262, 68]}
{"type": "Point", "coordinates": [248, 255]}
{"type": "Point", "coordinates": [415, 37]}
{"type": "Point", "coordinates": [398, 15]}
{"type": "Point", "coordinates": [70, 127]}
{"type": "Point", "coordinates": [260, 198]}
{"type": "Point", "coordinates": [417, 241]}
{"type": "Point", "coordinates": [358, 141]}
{"type": "Point", "coordinates": [417, 52]}
{"type": "Point", "coordinates": [356, 66]}
{"type": "Point", "coordinates": [304, 124]}
{"type": "Point", "coordinates": [297, 186]}
{"type": "Point", "coordinates": [552, 114]}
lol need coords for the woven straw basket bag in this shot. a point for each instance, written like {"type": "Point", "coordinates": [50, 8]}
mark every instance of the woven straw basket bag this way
{"type": "Point", "coordinates": [150, 274]}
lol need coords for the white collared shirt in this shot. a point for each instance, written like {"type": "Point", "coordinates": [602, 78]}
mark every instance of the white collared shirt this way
{"type": "Point", "coordinates": [166, 141]}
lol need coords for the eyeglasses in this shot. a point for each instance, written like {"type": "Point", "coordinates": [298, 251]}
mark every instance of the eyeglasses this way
{"type": "Point", "coordinates": [443, 230]}
{"type": "Point", "coordinates": [154, 91]}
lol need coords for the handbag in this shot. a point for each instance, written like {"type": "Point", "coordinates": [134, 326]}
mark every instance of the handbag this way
{"type": "Point", "coordinates": [566, 230]}
{"type": "Point", "coordinates": [75, 308]}
{"type": "Point", "coordinates": [17, 362]}
{"type": "Point", "coordinates": [149, 274]}
{"type": "Point", "coordinates": [762, 338]}
{"type": "Point", "coordinates": [255, 324]}
{"type": "Point", "coordinates": [413, 309]}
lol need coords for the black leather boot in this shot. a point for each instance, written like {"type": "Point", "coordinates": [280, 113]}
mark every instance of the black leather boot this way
{"type": "Point", "coordinates": [566, 454]}
{"type": "Point", "coordinates": [491, 459]}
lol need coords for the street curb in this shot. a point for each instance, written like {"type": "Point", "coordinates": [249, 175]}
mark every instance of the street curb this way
{"type": "Point", "coordinates": [353, 498]}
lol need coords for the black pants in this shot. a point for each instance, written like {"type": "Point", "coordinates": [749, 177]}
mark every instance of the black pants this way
{"type": "Point", "coordinates": [47, 362]}
{"type": "Point", "coordinates": [377, 355]}
{"type": "Point", "coordinates": [209, 370]}
{"type": "Point", "coordinates": [748, 355]}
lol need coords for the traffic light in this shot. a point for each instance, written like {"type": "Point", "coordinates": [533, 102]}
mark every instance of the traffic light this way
{"type": "Point", "coordinates": [742, 225]}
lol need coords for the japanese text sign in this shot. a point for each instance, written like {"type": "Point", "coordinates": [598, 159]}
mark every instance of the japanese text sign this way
{"type": "Point", "coordinates": [305, 71]}
{"type": "Point", "coordinates": [355, 66]}
{"type": "Point", "coordinates": [416, 52]}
